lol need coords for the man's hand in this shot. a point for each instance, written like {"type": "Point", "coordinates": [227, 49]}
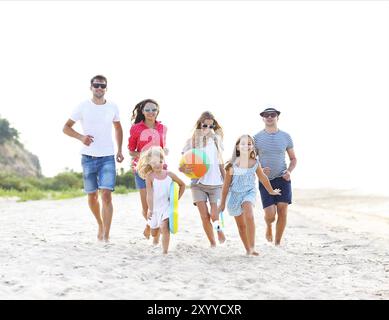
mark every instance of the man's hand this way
{"type": "Point", "coordinates": [286, 175]}
{"type": "Point", "coordinates": [276, 192]}
{"type": "Point", "coordinates": [87, 140]}
{"type": "Point", "coordinates": [119, 157]}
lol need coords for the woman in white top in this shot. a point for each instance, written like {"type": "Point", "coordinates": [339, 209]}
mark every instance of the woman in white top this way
{"type": "Point", "coordinates": [158, 181]}
{"type": "Point", "coordinates": [208, 137]}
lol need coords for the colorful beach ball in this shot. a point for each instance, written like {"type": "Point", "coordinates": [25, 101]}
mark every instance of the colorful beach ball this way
{"type": "Point", "coordinates": [199, 160]}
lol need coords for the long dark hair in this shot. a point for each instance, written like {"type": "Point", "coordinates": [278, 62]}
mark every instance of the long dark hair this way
{"type": "Point", "coordinates": [137, 113]}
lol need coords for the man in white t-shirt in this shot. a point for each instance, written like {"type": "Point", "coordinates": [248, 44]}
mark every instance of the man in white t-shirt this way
{"type": "Point", "coordinates": [98, 155]}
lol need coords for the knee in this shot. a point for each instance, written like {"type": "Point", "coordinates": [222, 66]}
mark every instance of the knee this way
{"type": "Point", "coordinates": [205, 217]}
{"type": "Point", "coordinates": [242, 228]}
{"type": "Point", "coordinates": [93, 197]}
{"type": "Point", "coordinates": [270, 219]}
{"type": "Point", "coordinates": [165, 228]}
{"type": "Point", "coordinates": [106, 197]}
{"type": "Point", "coordinates": [154, 232]}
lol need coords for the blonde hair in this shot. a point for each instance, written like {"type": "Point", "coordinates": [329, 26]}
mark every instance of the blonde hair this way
{"type": "Point", "coordinates": [236, 153]}
{"type": "Point", "coordinates": [143, 167]}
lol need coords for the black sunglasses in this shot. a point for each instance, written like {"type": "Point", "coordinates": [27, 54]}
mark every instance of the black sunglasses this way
{"type": "Point", "coordinates": [210, 126]}
{"type": "Point", "coordinates": [101, 85]}
{"type": "Point", "coordinates": [271, 115]}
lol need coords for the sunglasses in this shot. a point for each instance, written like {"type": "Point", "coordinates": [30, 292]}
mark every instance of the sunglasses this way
{"type": "Point", "coordinates": [210, 126]}
{"type": "Point", "coordinates": [150, 110]}
{"type": "Point", "coordinates": [101, 85]}
{"type": "Point", "coordinates": [271, 115]}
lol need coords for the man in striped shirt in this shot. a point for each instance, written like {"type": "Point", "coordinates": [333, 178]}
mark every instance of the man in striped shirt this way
{"type": "Point", "coordinates": [271, 145]}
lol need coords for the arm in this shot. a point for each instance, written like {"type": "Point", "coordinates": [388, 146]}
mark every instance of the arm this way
{"type": "Point", "coordinates": [119, 140]}
{"type": "Point", "coordinates": [226, 188]}
{"type": "Point", "coordinates": [133, 142]}
{"type": "Point", "coordinates": [222, 171]}
{"type": "Point", "coordinates": [149, 195]}
{"type": "Point", "coordinates": [266, 183]}
{"type": "Point", "coordinates": [188, 168]}
{"type": "Point", "coordinates": [179, 182]}
{"type": "Point", "coordinates": [292, 164]}
{"type": "Point", "coordinates": [68, 130]}
{"type": "Point", "coordinates": [134, 154]}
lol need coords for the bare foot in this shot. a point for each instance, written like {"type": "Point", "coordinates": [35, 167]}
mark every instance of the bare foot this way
{"type": "Point", "coordinates": [146, 232]}
{"type": "Point", "coordinates": [269, 234]}
{"type": "Point", "coordinates": [155, 240]}
{"type": "Point", "coordinates": [164, 252]}
{"type": "Point", "coordinates": [106, 238]}
{"type": "Point", "coordinates": [277, 243]}
{"type": "Point", "coordinates": [221, 237]}
{"type": "Point", "coordinates": [252, 252]}
{"type": "Point", "coordinates": [100, 233]}
{"type": "Point", "coordinates": [213, 245]}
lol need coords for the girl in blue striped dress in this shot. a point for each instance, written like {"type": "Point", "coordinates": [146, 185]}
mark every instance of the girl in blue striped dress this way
{"type": "Point", "coordinates": [240, 187]}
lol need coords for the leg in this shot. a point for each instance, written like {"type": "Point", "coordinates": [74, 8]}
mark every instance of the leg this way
{"type": "Point", "coordinates": [165, 235]}
{"type": "Point", "coordinates": [250, 226]}
{"type": "Point", "coordinates": [270, 214]}
{"type": "Point", "coordinates": [282, 209]}
{"type": "Point", "coordinates": [94, 205]}
{"type": "Point", "coordinates": [155, 234]}
{"type": "Point", "coordinates": [241, 223]}
{"type": "Point", "coordinates": [205, 218]}
{"type": "Point", "coordinates": [142, 193]}
{"type": "Point", "coordinates": [107, 211]}
{"type": "Point", "coordinates": [215, 217]}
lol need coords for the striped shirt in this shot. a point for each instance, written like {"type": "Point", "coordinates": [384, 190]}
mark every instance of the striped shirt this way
{"type": "Point", "coordinates": [271, 148]}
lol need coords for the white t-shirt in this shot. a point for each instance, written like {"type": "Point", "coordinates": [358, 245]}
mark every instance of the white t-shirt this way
{"type": "Point", "coordinates": [213, 177]}
{"type": "Point", "coordinates": [96, 120]}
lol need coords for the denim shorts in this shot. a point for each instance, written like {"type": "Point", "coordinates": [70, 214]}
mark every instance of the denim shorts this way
{"type": "Point", "coordinates": [98, 173]}
{"type": "Point", "coordinates": [286, 192]}
{"type": "Point", "coordinates": [139, 182]}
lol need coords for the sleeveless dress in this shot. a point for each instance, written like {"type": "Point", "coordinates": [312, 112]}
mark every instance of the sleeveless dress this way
{"type": "Point", "coordinates": [161, 201]}
{"type": "Point", "coordinates": [242, 189]}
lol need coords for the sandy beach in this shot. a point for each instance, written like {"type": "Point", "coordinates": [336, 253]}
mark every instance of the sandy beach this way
{"type": "Point", "coordinates": [336, 246]}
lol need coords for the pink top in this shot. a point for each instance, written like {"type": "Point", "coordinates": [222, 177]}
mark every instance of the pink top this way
{"type": "Point", "coordinates": [142, 138]}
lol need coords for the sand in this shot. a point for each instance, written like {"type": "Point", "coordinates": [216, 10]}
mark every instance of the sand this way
{"type": "Point", "coordinates": [336, 246]}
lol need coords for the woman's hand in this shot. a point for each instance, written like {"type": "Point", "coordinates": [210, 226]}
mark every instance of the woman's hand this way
{"type": "Point", "coordinates": [149, 214]}
{"type": "Point", "coordinates": [186, 168]}
{"type": "Point", "coordinates": [221, 208]}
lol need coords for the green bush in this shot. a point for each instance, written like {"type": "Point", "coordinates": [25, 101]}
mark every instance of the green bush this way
{"type": "Point", "coordinates": [125, 179]}
{"type": "Point", "coordinates": [6, 132]}
{"type": "Point", "coordinates": [121, 190]}
{"type": "Point", "coordinates": [33, 194]}
{"type": "Point", "coordinates": [64, 181]}
{"type": "Point", "coordinates": [64, 185]}
{"type": "Point", "coordinates": [9, 182]}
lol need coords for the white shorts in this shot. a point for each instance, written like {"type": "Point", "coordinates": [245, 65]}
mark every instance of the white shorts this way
{"type": "Point", "coordinates": [156, 219]}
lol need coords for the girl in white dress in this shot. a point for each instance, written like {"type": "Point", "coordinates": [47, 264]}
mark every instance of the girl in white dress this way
{"type": "Point", "coordinates": [158, 182]}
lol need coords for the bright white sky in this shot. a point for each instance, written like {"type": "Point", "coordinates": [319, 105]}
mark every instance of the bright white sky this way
{"type": "Point", "coordinates": [325, 65]}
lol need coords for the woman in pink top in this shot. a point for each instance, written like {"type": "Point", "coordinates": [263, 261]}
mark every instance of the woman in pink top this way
{"type": "Point", "coordinates": [145, 132]}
